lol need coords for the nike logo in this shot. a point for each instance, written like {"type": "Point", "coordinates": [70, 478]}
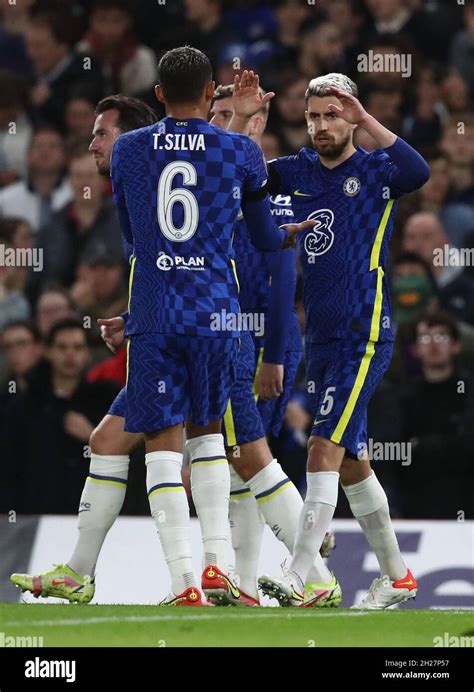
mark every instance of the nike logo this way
{"type": "Point", "coordinates": [301, 194]}
{"type": "Point", "coordinates": [323, 420]}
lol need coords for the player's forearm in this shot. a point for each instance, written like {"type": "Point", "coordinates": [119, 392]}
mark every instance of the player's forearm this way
{"type": "Point", "coordinates": [264, 233]}
{"type": "Point", "coordinates": [413, 171]}
{"type": "Point", "coordinates": [382, 135]}
{"type": "Point", "coordinates": [282, 266]}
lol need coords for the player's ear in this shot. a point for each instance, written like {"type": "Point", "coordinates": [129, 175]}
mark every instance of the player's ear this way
{"type": "Point", "coordinates": [210, 88]}
{"type": "Point", "coordinates": [159, 93]}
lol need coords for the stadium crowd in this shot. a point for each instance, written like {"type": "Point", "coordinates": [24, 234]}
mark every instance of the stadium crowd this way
{"type": "Point", "coordinates": [57, 377]}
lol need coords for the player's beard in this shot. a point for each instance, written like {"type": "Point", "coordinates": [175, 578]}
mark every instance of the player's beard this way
{"type": "Point", "coordinates": [331, 150]}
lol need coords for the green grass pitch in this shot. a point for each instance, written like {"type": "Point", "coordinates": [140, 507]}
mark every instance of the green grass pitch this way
{"type": "Point", "coordinates": [123, 625]}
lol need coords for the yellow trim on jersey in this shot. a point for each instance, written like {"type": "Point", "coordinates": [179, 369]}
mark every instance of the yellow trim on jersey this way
{"type": "Point", "coordinates": [229, 426]}
{"type": "Point", "coordinates": [104, 482]}
{"type": "Point", "coordinates": [375, 254]}
{"type": "Point", "coordinates": [255, 379]}
{"type": "Point", "coordinates": [234, 268]}
{"type": "Point", "coordinates": [210, 463]}
{"type": "Point", "coordinates": [127, 365]}
{"type": "Point", "coordinates": [130, 281]}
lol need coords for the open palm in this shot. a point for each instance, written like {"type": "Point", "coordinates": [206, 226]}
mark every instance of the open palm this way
{"type": "Point", "coordinates": [247, 100]}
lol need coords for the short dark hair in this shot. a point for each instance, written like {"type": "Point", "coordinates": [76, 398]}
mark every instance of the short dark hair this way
{"type": "Point", "coordinates": [24, 324]}
{"type": "Point", "coordinates": [183, 73]}
{"type": "Point", "coordinates": [440, 319]}
{"type": "Point", "coordinates": [62, 326]}
{"type": "Point", "coordinates": [133, 113]}
{"type": "Point", "coordinates": [413, 258]}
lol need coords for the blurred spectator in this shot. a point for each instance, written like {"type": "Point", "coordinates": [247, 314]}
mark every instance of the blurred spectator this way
{"type": "Point", "coordinates": [54, 305]}
{"type": "Point", "coordinates": [100, 289]}
{"type": "Point", "coordinates": [321, 51]}
{"type": "Point", "coordinates": [438, 196]}
{"type": "Point", "coordinates": [457, 142]}
{"type": "Point", "coordinates": [46, 428]}
{"type": "Point", "coordinates": [45, 190]}
{"type": "Point", "coordinates": [438, 410]}
{"type": "Point", "coordinates": [20, 343]}
{"type": "Point", "coordinates": [425, 236]}
{"type": "Point", "coordinates": [462, 49]}
{"type": "Point", "coordinates": [455, 92]}
{"type": "Point", "coordinates": [13, 304]}
{"type": "Point", "coordinates": [290, 106]}
{"type": "Point", "coordinates": [80, 114]}
{"type": "Point", "coordinates": [15, 20]}
{"type": "Point", "coordinates": [208, 30]}
{"type": "Point", "coordinates": [413, 288]}
{"type": "Point", "coordinates": [15, 128]}
{"type": "Point", "coordinates": [58, 68]}
{"type": "Point", "coordinates": [88, 224]}
{"type": "Point", "coordinates": [290, 16]}
{"type": "Point", "coordinates": [129, 66]}
{"type": "Point", "coordinates": [18, 235]}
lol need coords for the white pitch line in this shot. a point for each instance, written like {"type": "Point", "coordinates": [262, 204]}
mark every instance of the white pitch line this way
{"type": "Point", "coordinates": [164, 618]}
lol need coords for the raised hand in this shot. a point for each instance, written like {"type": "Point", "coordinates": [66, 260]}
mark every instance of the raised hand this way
{"type": "Point", "coordinates": [351, 109]}
{"type": "Point", "coordinates": [247, 100]}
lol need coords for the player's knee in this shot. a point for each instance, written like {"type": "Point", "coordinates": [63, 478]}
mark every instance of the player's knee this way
{"type": "Point", "coordinates": [323, 454]}
{"type": "Point", "coordinates": [354, 471]}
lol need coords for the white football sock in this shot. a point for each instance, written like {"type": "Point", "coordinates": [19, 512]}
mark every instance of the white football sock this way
{"type": "Point", "coordinates": [170, 510]}
{"type": "Point", "coordinates": [318, 510]}
{"type": "Point", "coordinates": [369, 506]}
{"type": "Point", "coordinates": [210, 487]}
{"type": "Point", "coordinates": [246, 524]}
{"type": "Point", "coordinates": [281, 504]}
{"type": "Point", "coordinates": [100, 505]}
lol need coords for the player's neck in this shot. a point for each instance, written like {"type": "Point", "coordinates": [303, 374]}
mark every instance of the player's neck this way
{"type": "Point", "coordinates": [186, 111]}
{"type": "Point", "coordinates": [346, 154]}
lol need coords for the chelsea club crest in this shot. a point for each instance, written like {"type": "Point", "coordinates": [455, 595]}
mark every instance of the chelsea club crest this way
{"type": "Point", "coordinates": [351, 186]}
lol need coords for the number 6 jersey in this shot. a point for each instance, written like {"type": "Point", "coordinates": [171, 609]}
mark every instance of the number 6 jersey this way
{"type": "Point", "coordinates": [178, 186]}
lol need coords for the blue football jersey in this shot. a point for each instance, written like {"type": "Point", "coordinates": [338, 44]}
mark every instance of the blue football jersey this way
{"type": "Point", "coordinates": [178, 186]}
{"type": "Point", "coordinates": [343, 258]}
{"type": "Point", "coordinates": [252, 266]}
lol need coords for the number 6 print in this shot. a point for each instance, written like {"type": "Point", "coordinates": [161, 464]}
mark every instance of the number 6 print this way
{"type": "Point", "coordinates": [167, 198]}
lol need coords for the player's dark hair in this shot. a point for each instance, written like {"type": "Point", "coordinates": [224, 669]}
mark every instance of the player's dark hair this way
{"type": "Point", "coordinates": [62, 326]}
{"type": "Point", "coordinates": [183, 74]}
{"type": "Point", "coordinates": [133, 113]}
{"type": "Point", "coordinates": [441, 319]}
